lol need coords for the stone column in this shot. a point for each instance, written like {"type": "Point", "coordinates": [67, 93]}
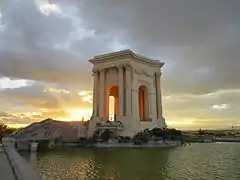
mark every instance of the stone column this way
{"type": "Point", "coordinates": [120, 91]}
{"type": "Point", "coordinates": [102, 94]}
{"type": "Point", "coordinates": [135, 105]}
{"type": "Point", "coordinates": [95, 93]}
{"type": "Point", "coordinates": [153, 105]}
{"type": "Point", "coordinates": [128, 98]}
{"type": "Point", "coordinates": [159, 95]}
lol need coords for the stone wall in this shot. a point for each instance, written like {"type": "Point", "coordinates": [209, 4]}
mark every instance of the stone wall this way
{"type": "Point", "coordinates": [21, 169]}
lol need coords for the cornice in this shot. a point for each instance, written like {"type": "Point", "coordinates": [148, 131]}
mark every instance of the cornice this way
{"type": "Point", "coordinates": [124, 53]}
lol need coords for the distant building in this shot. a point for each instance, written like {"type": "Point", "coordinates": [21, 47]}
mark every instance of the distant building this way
{"type": "Point", "coordinates": [52, 130]}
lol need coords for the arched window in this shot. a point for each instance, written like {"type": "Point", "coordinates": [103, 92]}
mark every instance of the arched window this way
{"type": "Point", "coordinates": [113, 102]}
{"type": "Point", "coordinates": [143, 103]}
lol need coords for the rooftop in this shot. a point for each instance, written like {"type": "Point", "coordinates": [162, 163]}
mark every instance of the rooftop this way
{"type": "Point", "coordinates": [126, 52]}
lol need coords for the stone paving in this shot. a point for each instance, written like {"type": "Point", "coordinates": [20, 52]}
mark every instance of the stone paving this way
{"type": "Point", "coordinates": [6, 172]}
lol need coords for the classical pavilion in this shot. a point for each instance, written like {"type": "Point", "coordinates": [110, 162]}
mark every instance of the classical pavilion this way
{"type": "Point", "coordinates": [126, 93]}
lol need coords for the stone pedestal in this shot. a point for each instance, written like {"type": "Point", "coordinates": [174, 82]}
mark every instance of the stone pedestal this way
{"type": "Point", "coordinates": [33, 146]}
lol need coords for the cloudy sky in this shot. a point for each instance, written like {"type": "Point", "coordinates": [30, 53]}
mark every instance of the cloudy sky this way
{"type": "Point", "coordinates": [45, 47]}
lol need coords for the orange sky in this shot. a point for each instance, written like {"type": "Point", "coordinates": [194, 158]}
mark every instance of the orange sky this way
{"type": "Point", "coordinates": [45, 48]}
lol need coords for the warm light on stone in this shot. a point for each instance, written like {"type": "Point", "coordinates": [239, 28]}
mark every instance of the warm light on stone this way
{"type": "Point", "coordinates": [134, 82]}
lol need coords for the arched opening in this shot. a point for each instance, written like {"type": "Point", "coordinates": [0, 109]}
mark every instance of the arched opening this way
{"type": "Point", "coordinates": [113, 103]}
{"type": "Point", "coordinates": [143, 103]}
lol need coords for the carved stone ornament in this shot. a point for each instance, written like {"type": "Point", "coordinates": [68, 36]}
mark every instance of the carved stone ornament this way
{"type": "Point", "coordinates": [138, 71]}
{"type": "Point", "coordinates": [141, 71]}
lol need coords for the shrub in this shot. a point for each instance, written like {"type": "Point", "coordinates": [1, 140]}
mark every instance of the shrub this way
{"type": "Point", "coordinates": [141, 137]}
{"type": "Point", "coordinates": [123, 139]}
{"type": "Point", "coordinates": [157, 132]}
{"type": "Point", "coordinates": [106, 135]}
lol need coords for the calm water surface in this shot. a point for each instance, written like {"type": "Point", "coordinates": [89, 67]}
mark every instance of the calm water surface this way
{"type": "Point", "coordinates": [210, 161]}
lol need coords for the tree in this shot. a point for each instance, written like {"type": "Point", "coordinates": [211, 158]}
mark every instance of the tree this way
{"type": "Point", "coordinates": [201, 132]}
{"type": "Point", "coordinates": [6, 130]}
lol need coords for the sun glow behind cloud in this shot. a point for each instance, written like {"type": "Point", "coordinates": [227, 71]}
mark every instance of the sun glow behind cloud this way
{"type": "Point", "coordinates": [209, 87]}
{"type": "Point", "coordinates": [219, 106]}
{"type": "Point", "coordinates": [55, 90]}
{"type": "Point", "coordinates": [7, 83]}
{"type": "Point", "coordinates": [86, 96]}
{"type": "Point", "coordinates": [77, 114]}
{"type": "Point", "coordinates": [75, 111]}
{"type": "Point", "coordinates": [2, 26]}
{"type": "Point", "coordinates": [47, 8]}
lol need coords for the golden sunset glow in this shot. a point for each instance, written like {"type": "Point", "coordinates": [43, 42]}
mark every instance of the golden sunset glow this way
{"type": "Point", "coordinates": [111, 107]}
{"type": "Point", "coordinates": [78, 114]}
{"type": "Point", "coordinates": [45, 70]}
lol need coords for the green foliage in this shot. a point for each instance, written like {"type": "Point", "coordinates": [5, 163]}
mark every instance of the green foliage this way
{"type": "Point", "coordinates": [123, 139]}
{"type": "Point", "coordinates": [106, 135]}
{"type": "Point", "coordinates": [201, 132]}
{"type": "Point", "coordinates": [6, 130]}
{"type": "Point", "coordinates": [141, 137]}
{"type": "Point", "coordinates": [157, 134]}
{"type": "Point", "coordinates": [102, 136]}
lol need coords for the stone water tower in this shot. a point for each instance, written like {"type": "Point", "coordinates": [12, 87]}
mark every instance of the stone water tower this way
{"type": "Point", "coordinates": [126, 93]}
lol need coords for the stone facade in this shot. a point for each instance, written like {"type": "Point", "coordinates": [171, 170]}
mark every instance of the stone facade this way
{"type": "Point", "coordinates": [134, 82]}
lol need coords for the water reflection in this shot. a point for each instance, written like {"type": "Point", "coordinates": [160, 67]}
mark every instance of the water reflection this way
{"type": "Point", "coordinates": [198, 162]}
{"type": "Point", "coordinates": [93, 164]}
{"type": "Point", "coordinates": [130, 163]}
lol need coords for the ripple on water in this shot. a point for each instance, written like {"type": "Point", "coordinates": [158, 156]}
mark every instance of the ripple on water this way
{"type": "Point", "coordinates": [220, 161]}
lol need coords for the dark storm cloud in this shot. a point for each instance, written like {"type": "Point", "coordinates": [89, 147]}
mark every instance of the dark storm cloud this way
{"type": "Point", "coordinates": [35, 46]}
{"type": "Point", "coordinates": [24, 20]}
{"type": "Point", "coordinates": [199, 40]}
{"type": "Point", "coordinates": [33, 95]}
{"type": "Point", "coordinates": [191, 36]}
{"type": "Point", "coordinates": [45, 65]}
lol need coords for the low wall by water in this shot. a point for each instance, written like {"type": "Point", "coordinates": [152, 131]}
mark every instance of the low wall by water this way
{"type": "Point", "coordinates": [22, 170]}
{"type": "Point", "coordinates": [145, 145]}
{"type": "Point", "coordinates": [228, 139]}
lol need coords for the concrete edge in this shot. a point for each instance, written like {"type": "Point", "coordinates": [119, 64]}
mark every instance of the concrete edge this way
{"type": "Point", "coordinates": [21, 168]}
{"type": "Point", "coordinates": [11, 164]}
